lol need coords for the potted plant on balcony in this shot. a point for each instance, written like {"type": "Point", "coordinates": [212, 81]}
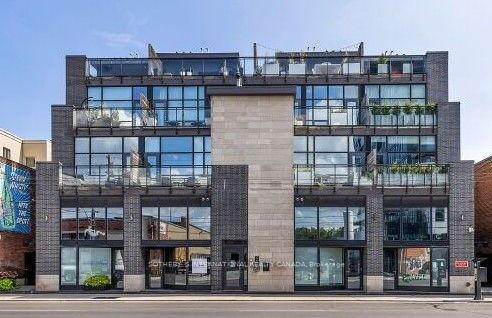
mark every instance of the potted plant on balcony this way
{"type": "Point", "coordinates": [383, 66]}
{"type": "Point", "coordinates": [297, 64]}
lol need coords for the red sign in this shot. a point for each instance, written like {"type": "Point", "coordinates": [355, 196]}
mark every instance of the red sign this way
{"type": "Point", "coordinates": [461, 264]}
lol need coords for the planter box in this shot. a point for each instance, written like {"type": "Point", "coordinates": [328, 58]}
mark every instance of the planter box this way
{"type": "Point", "coordinates": [297, 68]}
{"type": "Point", "coordinates": [382, 68]}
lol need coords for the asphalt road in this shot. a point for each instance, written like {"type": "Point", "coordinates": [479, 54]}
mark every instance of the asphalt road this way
{"type": "Point", "coordinates": [239, 309]}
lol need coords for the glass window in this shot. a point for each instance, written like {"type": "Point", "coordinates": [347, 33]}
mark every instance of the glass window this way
{"type": "Point", "coordinates": [177, 159]}
{"type": "Point", "coordinates": [177, 144]}
{"type": "Point", "coordinates": [208, 144]}
{"type": "Point", "coordinates": [138, 92]}
{"type": "Point", "coordinates": [418, 91]}
{"type": "Point", "coordinates": [320, 92]}
{"type": "Point", "coordinates": [190, 92]}
{"type": "Point", "coordinates": [69, 223]}
{"type": "Point", "coordinates": [306, 270]}
{"type": "Point", "coordinates": [335, 92]}
{"type": "Point", "coordinates": [440, 267]}
{"type": "Point", "coordinates": [427, 144]}
{"type": "Point", "coordinates": [175, 92]}
{"type": "Point", "coordinates": [115, 223]}
{"type": "Point", "coordinates": [300, 143]}
{"type": "Point", "coordinates": [415, 224]}
{"type": "Point", "coordinates": [414, 267]}
{"type": "Point", "coordinates": [372, 91]}
{"type": "Point", "coordinates": [331, 158]}
{"type": "Point", "coordinates": [106, 144]}
{"type": "Point", "coordinates": [306, 223]}
{"type": "Point", "coordinates": [131, 144]}
{"type": "Point", "coordinates": [403, 143]}
{"type": "Point", "coordinates": [198, 144]}
{"type": "Point", "coordinates": [68, 275]}
{"type": "Point", "coordinates": [152, 144]}
{"type": "Point", "coordinates": [117, 93]}
{"type": "Point", "coordinates": [331, 266]}
{"type": "Point", "coordinates": [391, 225]}
{"type": "Point", "coordinates": [173, 223]}
{"type": "Point", "coordinates": [351, 91]}
{"type": "Point", "coordinates": [199, 223]}
{"type": "Point", "coordinates": [92, 223]}
{"type": "Point", "coordinates": [159, 92]}
{"type": "Point", "coordinates": [150, 223]}
{"type": "Point", "coordinates": [439, 223]}
{"type": "Point", "coordinates": [94, 261]}
{"type": "Point", "coordinates": [199, 266]}
{"type": "Point", "coordinates": [332, 223]}
{"type": "Point", "coordinates": [94, 93]}
{"type": "Point", "coordinates": [81, 145]}
{"type": "Point", "coordinates": [331, 143]}
{"type": "Point", "coordinates": [356, 226]}
{"type": "Point", "coordinates": [395, 91]}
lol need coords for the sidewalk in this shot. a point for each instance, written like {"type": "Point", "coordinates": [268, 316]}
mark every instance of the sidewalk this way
{"type": "Point", "coordinates": [227, 298]}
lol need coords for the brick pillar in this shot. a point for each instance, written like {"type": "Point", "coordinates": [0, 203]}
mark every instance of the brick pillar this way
{"type": "Point", "coordinates": [229, 213]}
{"type": "Point", "coordinates": [437, 76]}
{"type": "Point", "coordinates": [47, 226]}
{"type": "Point", "coordinates": [62, 135]}
{"type": "Point", "coordinates": [448, 133]}
{"type": "Point", "coordinates": [373, 253]}
{"type": "Point", "coordinates": [134, 280]}
{"type": "Point", "coordinates": [461, 221]}
{"type": "Point", "coordinates": [76, 90]}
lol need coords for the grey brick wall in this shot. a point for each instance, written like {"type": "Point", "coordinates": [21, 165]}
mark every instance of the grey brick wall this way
{"type": "Point", "coordinates": [448, 134]}
{"type": "Point", "coordinates": [47, 219]}
{"type": "Point", "coordinates": [229, 212]}
{"type": "Point", "coordinates": [373, 253]}
{"type": "Point", "coordinates": [437, 76]}
{"type": "Point", "coordinates": [62, 135]}
{"type": "Point", "coordinates": [461, 216]}
{"type": "Point", "coordinates": [133, 254]}
{"type": "Point", "coordinates": [76, 90]}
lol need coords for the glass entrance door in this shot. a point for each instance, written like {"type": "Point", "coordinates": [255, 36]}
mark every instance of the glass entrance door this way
{"type": "Point", "coordinates": [154, 271]}
{"type": "Point", "coordinates": [235, 265]}
{"type": "Point", "coordinates": [353, 269]}
{"type": "Point", "coordinates": [389, 269]}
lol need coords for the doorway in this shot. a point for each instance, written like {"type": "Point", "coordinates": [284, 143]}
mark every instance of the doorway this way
{"type": "Point", "coordinates": [235, 268]}
{"type": "Point", "coordinates": [29, 268]}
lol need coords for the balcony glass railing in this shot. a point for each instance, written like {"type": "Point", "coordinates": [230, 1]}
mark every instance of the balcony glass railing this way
{"type": "Point", "coordinates": [261, 66]}
{"type": "Point", "coordinates": [118, 176]}
{"type": "Point", "coordinates": [364, 116]}
{"type": "Point", "coordinates": [382, 176]}
{"type": "Point", "coordinates": [137, 117]}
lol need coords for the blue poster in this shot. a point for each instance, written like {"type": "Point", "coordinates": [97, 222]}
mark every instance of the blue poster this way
{"type": "Point", "coordinates": [15, 199]}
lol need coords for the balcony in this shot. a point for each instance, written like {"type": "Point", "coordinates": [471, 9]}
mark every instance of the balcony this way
{"type": "Point", "coordinates": [137, 117]}
{"type": "Point", "coordinates": [298, 65]}
{"type": "Point", "coordinates": [368, 116]}
{"type": "Point", "coordinates": [394, 176]}
{"type": "Point", "coordinates": [109, 176]}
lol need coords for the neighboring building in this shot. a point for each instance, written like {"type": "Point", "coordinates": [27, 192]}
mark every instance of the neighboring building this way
{"type": "Point", "coordinates": [217, 172]}
{"type": "Point", "coordinates": [483, 214]}
{"type": "Point", "coordinates": [17, 160]}
{"type": "Point", "coordinates": [24, 151]}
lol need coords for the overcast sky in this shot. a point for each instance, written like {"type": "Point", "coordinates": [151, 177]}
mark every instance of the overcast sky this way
{"type": "Point", "coordinates": [36, 35]}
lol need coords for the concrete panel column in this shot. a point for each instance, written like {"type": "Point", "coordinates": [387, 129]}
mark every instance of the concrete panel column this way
{"type": "Point", "coordinates": [461, 222]}
{"type": "Point", "coordinates": [253, 126]}
{"type": "Point", "coordinates": [373, 253]}
{"type": "Point", "coordinates": [47, 227]}
{"type": "Point", "coordinates": [134, 279]}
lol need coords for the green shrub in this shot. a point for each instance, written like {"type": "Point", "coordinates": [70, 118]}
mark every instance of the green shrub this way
{"type": "Point", "coordinates": [7, 284]}
{"type": "Point", "coordinates": [97, 281]}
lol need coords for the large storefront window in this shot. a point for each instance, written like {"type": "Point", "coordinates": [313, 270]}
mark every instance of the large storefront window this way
{"type": "Point", "coordinates": [176, 223]}
{"type": "Point", "coordinates": [330, 223]}
{"type": "Point", "coordinates": [80, 263]}
{"type": "Point", "coordinates": [178, 267]}
{"type": "Point", "coordinates": [94, 223]}
{"type": "Point", "coordinates": [416, 268]}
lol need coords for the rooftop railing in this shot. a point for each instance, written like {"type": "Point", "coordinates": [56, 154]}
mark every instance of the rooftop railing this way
{"type": "Point", "coordinates": [403, 65]}
{"type": "Point", "coordinates": [393, 176]}
{"type": "Point", "coordinates": [110, 176]}
{"type": "Point", "coordinates": [137, 117]}
{"type": "Point", "coordinates": [369, 116]}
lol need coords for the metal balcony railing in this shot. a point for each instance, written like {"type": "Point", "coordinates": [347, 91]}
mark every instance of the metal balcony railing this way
{"type": "Point", "coordinates": [416, 175]}
{"type": "Point", "coordinates": [110, 176]}
{"type": "Point", "coordinates": [373, 116]}
{"type": "Point", "coordinates": [138, 117]}
{"type": "Point", "coordinates": [297, 65]}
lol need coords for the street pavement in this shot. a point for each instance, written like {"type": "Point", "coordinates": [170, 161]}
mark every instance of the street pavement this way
{"type": "Point", "coordinates": [123, 306]}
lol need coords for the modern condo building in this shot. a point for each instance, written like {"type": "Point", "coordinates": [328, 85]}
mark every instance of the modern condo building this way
{"type": "Point", "coordinates": [303, 171]}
